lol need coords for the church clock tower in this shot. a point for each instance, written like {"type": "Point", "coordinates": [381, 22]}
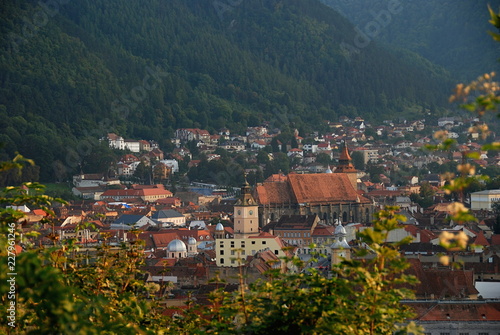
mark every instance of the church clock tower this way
{"type": "Point", "coordinates": [246, 214]}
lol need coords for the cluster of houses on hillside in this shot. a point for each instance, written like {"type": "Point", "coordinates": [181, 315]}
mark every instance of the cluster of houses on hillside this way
{"type": "Point", "coordinates": [395, 146]}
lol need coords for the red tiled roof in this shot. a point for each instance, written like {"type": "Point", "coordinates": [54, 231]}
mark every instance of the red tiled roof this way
{"type": "Point", "coordinates": [442, 283]}
{"type": "Point", "coordinates": [459, 311]}
{"type": "Point", "coordinates": [412, 229]}
{"type": "Point", "coordinates": [39, 212]}
{"type": "Point", "coordinates": [481, 240]}
{"type": "Point", "coordinates": [309, 188]}
{"type": "Point", "coordinates": [158, 239]}
{"type": "Point", "coordinates": [323, 187]}
{"type": "Point", "coordinates": [427, 235]}
{"type": "Point", "coordinates": [323, 231]}
{"type": "Point", "coordinates": [274, 193]}
{"type": "Point", "coordinates": [137, 193]}
{"type": "Point", "coordinates": [495, 239]}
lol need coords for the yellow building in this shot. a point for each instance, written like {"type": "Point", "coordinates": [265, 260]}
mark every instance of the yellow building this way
{"type": "Point", "coordinates": [234, 252]}
{"type": "Point", "coordinates": [246, 214]}
{"type": "Point", "coordinates": [247, 239]}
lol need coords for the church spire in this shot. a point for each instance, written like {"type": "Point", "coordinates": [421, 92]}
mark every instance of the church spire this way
{"type": "Point", "coordinates": [345, 166]}
{"type": "Point", "coordinates": [345, 161]}
{"type": "Point", "coordinates": [246, 198]}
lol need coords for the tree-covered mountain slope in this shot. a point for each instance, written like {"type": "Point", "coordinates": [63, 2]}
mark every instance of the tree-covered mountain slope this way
{"type": "Point", "coordinates": [452, 34]}
{"type": "Point", "coordinates": [74, 70]}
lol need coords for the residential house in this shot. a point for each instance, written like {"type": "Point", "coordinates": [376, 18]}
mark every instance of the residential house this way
{"type": "Point", "coordinates": [132, 145]}
{"type": "Point", "coordinates": [233, 146]}
{"type": "Point", "coordinates": [169, 216]}
{"type": "Point", "coordinates": [295, 152]}
{"type": "Point", "coordinates": [147, 195]}
{"type": "Point", "coordinates": [192, 134]}
{"type": "Point", "coordinates": [115, 141]}
{"type": "Point", "coordinates": [144, 145]}
{"type": "Point", "coordinates": [172, 164]}
{"type": "Point", "coordinates": [130, 221]}
{"type": "Point", "coordinates": [296, 230]}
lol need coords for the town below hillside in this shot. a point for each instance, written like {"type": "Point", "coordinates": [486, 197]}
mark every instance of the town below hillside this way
{"type": "Point", "coordinates": [219, 205]}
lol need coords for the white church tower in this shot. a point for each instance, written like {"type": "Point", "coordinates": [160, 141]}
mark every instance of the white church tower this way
{"type": "Point", "coordinates": [340, 248]}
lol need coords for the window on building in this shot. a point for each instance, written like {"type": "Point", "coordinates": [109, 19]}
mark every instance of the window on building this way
{"type": "Point", "coordinates": [222, 260]}
{"type": "Point", "coordinates": [275, 252]}
{"type": "Point", "coordinates": [253, 242]}
{"type": "Point", "coordinates": [221, 252]}
{"type": "Point", "coordinates": [232, 252]}
{"type": "Point", "coordinates": [263, 242]}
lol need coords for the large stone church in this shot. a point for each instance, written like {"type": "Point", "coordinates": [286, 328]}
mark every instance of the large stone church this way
{"type": "Point", "coordinates": [330, 195]}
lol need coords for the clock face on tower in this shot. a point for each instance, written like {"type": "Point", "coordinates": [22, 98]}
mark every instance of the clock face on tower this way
{"type": "Point", "coordinates": [251, 212]}
{"type": "Point", "coordinates": [239, 212]}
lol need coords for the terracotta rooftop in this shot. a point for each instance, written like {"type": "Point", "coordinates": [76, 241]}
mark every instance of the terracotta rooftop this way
{"type": "Point", "coordinates": [442, 283]}
{"type": "Point", "coordinates": [274, 193]}
{"type": "Point", "coordinates": [322, 187]}
{"type": "Point", "coordinates": [455, 311]}
{"type": "Point", "coordinates": [481, 239]}
{"type": "Point", "coordinates": [158, 239]}
{"type": "Point", "coordinates": [323, 231]}
{"type": "Point", "coordinates": [309, 188]}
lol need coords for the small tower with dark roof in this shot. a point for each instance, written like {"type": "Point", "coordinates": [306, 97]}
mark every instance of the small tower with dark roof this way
{"type": "Point", "coordinates": [346, 166]}
{"type": "Point", "coordinates": [246, 216]}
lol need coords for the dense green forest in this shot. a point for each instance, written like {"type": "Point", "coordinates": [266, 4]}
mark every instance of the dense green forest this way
{"type": "Point", "coordinates": [452, 34]}
{"type": "Point", "coordinates": [72, 71]}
